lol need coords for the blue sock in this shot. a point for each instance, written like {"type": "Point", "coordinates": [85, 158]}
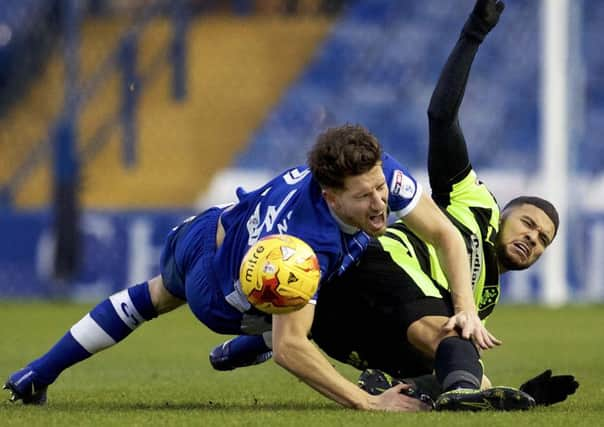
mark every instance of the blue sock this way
{"type": "Point", "coordinates": [457, 364]}
{"type": "Point", "coordinates": [107, 324]}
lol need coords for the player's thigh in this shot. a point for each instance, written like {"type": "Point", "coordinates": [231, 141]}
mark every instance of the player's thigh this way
{"type": "Point", "coordinates": [426, 333]}
{"type": "Point", "coordinates": [361, 317]}
{"type": "Point", "coordinates": [162, 299]}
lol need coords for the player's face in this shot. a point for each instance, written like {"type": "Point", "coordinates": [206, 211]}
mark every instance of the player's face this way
{"type": "Point", "coordinates": [363, 202]}
{"type": "Point", "coordinates": [524, 234]}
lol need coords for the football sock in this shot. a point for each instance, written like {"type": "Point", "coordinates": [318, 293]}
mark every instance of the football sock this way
{"type": "Point", "coordinates": [457, 364]}
{"type": "Point", "coordinates": [107, 324]}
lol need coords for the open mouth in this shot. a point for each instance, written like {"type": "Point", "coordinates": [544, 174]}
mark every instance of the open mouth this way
{"type": "Point", "coordinates": [522, 248]}
{"type": "Point", "coordinates": [377, 221]}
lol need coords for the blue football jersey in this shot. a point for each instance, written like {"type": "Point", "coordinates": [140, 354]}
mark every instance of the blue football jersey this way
{"type": "Point", "coordinates": [292, 203]}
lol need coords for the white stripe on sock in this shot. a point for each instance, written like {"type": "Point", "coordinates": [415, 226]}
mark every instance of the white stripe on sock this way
{"type": "Point", "coordinates": [124, 307]}
{"type": "Point", "coordinates": [90, 335]}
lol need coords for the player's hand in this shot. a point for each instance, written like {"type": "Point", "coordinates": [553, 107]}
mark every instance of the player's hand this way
{"type": "Point", "coordinates": [469, 326]}
{"type": "Point", "coordinates": [488, 11]}
{"type": "Point", "coordinates": [483, 18]}
{"type": "Point", "coordinates": [547, 389]}
{"type": "Point", "coordinates": [397, 399]}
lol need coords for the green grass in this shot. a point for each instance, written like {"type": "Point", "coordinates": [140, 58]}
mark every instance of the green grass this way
{"type": "Point", "coordinates": [161, 375]}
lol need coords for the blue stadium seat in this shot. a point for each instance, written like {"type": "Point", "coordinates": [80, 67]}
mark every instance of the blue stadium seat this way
{"type": "Point", "coordinates": [380, 64]}
{"type": "Point", "coordinates": [590, 155]}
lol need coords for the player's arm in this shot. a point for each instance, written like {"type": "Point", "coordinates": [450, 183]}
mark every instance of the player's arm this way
{"type": "Point", "coordinates": [448, 160]}
{"type": "Point", "coordinates": [431, 225]}
{"type": "Point", "coordinates": [295, 352]}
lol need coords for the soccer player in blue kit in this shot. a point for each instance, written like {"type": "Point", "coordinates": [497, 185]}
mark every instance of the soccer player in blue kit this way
{"type": "Point", "coordinates": [341, 199]}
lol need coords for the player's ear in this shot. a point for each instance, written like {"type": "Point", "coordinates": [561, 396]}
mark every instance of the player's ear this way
{"type": "Point", "coordinates": [330, 197]}
{"type": "Point", "coordinates": [503, 215]}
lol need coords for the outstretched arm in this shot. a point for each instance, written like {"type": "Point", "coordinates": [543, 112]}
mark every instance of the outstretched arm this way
{"type": "Point", "coordinates": [295, 352]}
{"type": "Point", "coordinates": [432, 226]}
{"type": "Point", "coordinates": [448, 160]}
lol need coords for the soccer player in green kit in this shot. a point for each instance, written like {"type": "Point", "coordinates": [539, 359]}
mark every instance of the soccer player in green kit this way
{"type": "Point", "coordinates": [388, 311]}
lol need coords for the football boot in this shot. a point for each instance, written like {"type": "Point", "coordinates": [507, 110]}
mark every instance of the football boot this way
{"type": "Point", "coordinates": [25, 385]}
{"type": "Point", "coordinates": [492, 399]}
{"type": "Point", "coordinates": [222, 359]}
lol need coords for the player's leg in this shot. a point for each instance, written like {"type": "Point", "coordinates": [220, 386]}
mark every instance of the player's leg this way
{"type": "Point", "coordinates": [456, 360]}
{"type": "Point", "coordinates": [459, 371]}
{"type": "Point", "coordinates": [423, 335]}
{"type": "Point", "coordinates": [110, 322]}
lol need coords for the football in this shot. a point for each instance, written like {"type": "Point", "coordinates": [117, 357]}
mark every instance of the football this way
{"type": "Point", "coordinates": [279, 274]}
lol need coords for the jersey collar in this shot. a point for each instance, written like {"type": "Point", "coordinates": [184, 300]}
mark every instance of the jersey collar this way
{"type": "Point", "coordinates": [346, 228]}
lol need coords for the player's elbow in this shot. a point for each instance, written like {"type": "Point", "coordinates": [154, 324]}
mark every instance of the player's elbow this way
{"type": "Point", "coordinates": [442, 233]}
{"type": "Point", "coordinates": [450, 237]}
{"type": "Point", "coordinates": [280, 359]}
{"type": "Point", "coordinates": [284, 351]}
{"type": "Point", "coordinates": [281, 349]}
{"type": "Point", "coordinates": [432, 114]}
{"type": "Point", "coordinates": [447, 238]}
{"type": "Point", "coordinates": [439, 118]}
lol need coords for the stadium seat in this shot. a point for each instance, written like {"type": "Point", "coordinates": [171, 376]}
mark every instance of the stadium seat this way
{"type": "Point", "coordinates": [378, 68]}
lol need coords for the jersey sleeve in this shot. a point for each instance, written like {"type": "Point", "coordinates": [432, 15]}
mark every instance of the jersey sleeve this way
{"type": "Point", "coordinates": [404, 190]}
{"type": "Point", "coordinates": [470, 191]}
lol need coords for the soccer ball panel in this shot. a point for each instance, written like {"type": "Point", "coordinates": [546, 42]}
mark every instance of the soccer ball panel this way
{"type": "Point", "coordinates": [279, 274]}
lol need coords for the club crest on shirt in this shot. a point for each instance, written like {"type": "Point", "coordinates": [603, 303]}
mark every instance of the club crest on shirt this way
{"type": "Point", "coordinates": [402, 185]}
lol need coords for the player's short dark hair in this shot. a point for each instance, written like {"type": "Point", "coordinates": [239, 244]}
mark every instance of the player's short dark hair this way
{"type": "Point", "coordinates": [343, 151]}
{"type": "Point", "coordinates": [542, 204]}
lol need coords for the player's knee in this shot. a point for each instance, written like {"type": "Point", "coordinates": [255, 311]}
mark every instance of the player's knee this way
{"type": "Point", "coordinates": [427, 333]}
{"type": "Point", "coordinates": [162, 299]}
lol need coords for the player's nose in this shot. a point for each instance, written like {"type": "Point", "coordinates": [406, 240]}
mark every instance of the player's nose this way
{"type": "Point", "coordinates": [531, 237]}
{"type": "Point", "coordinates": [378, 204]}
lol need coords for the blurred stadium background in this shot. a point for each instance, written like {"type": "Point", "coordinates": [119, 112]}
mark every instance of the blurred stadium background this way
{"type": "Point", "coordinates": [120, 118]}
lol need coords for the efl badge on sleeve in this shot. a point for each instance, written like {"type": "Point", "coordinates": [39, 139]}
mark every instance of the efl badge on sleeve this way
{"type": "Point", "coordinates": [402, 185]}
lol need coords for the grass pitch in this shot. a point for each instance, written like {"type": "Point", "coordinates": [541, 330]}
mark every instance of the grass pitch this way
{"type": "Point", "coordinates": [161, 375]}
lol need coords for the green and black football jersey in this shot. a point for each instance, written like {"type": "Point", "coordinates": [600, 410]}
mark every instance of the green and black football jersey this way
{"type": "Point", "coordinates": [474, 211]}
